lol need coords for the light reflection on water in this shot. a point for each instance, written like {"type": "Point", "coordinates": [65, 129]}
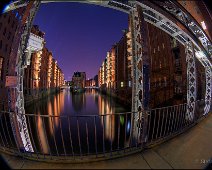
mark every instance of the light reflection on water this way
{"type": "Point", "coordinates": [90, 102]}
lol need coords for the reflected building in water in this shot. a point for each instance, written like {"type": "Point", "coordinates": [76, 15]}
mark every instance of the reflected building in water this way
{"type": "Point", "coordinates": [48, 125]}
{"type": "Point", "coordinates": [57, 103]}
{"type": "Point", "coordinates": [41, 134]}
{"type": "Point", "coordinates": [105, 108]}
{"type": "Point", "coordinates": [78, 101]}
{"type": "Point", "coordinates": [111, 121]}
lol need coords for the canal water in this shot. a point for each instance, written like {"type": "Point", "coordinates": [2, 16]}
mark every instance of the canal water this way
{"type": "Point", "coordinates": [78, 124]}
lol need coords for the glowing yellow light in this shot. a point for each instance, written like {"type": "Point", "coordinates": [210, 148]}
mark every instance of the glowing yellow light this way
{"type": "Point", "coordinates": [203, 25]}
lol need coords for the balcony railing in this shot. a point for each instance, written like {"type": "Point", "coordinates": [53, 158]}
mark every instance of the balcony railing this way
{"type": "Point", "coordinates": [81, 138]}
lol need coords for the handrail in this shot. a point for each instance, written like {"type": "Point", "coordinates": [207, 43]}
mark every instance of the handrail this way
{"type": "Point", "coordinates": [81, 138]}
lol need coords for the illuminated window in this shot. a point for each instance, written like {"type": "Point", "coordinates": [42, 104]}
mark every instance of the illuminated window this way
{"type": "Point", "coordinates": [1, 66]}
{"type": "Point", "coordinates": [203, 25]}
{"type": "Point", "coordinates": [122, 84]}
{"type": "Point", "coordinates": [129, 83]}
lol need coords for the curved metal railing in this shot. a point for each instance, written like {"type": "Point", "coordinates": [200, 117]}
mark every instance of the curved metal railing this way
{"type": "Point", "coordinates": [81, 138]}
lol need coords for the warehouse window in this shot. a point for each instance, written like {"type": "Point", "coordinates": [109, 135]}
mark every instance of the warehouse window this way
{"type": "Point", "coordinates": [165, 83]}
{"type": "Point", "coordinates": [4, 33]}
{"type": "Point", "coordinates": [203, 25]}
{"type": "Point", "coordinates": [159, 82]}
{"type": "Point", "coordinates": [129, 83]}
{"type": "Point", "coordinates": [1, 67]}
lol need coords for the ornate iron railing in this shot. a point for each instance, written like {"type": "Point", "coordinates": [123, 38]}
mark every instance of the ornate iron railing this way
{"type": "Point", "coordinates": [81, 138]}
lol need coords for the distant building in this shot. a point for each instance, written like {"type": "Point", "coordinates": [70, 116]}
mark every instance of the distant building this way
{"type": "Point", "coordinates": [90, 83]}
{"type": "Point", "coordinates": [79, 80]}
{"type": "Point", "coordinates": [67, 83]}
{"type": "Point", "coordinates": [96, 80]}
{"type": "Point", "coordinates": [100, 77]}
{"type": "Point", "coordinates": [103, 72]}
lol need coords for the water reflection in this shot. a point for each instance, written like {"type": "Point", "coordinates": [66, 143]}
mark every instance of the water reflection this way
{"type": "Point", "coordinates": [42, 136]}
{"type": "Point", "coordinates": [78, 101]}
{"type": "Point", "coordinates": [50, 114]}
{"type": "Point", "coordinates": [105, 107]}
{"type": "Point", "coordinates": [51, 134]}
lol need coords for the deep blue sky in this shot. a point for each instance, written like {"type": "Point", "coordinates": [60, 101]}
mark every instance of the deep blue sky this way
{"type": "Point", "coordinates": [79, 35]}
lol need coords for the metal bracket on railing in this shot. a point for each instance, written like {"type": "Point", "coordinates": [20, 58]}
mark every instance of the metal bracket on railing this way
{"type": "Point", "coordinates": [208, 90]}
{"type": "Point", "coordinates": [208, 79]}
{"type": "Point", "coordinates": [191, 80]}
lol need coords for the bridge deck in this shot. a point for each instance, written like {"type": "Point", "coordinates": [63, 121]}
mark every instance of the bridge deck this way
{"type": "Point", "coordinates": [192, 149]}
